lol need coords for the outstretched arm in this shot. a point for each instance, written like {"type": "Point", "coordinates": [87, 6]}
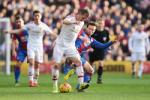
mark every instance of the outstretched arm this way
{"type": "Point", "coordinates": [99, 45]}
{"type": "Point", "coordinates": [16, 31]}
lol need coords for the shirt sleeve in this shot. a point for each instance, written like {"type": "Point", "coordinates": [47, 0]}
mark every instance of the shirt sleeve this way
{"type": "Point", "coordinates": [147, 42]}
{"type": "Point", "coordinates": [47, 29]}
{"type": "Point", "coordinates": [130, 43]}
{"type": "Point", "coordinates": [27, 27]}
{"type": "Point", "coordinates": [69, 18]}
{"type": "Point", "coordinates": [98, 45]}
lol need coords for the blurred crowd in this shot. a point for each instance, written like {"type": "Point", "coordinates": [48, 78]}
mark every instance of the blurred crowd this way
{"type": "Point", "coordinates": [120, 19]}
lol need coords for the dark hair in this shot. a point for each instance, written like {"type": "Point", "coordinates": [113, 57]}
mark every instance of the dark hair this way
{"type": "Point", "coordinates": [83, 12]}
{"type": "Point", "coordinates": [91, 23]}
{"type": "Point", "coordinates": [101, 19]}
{"type": "Point", "coordinates": [17, 17]}
{"type": "Point", "coordinates": [36, 11]}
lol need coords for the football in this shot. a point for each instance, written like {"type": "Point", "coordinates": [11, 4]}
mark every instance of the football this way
{"type": "Point", "coordinates": [65, 88]}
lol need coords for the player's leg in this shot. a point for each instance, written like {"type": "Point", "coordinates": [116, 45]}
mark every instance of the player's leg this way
{"type": "Point", "coordinates": [73, 54]}
{"type": "Point", "coordinates": [17, 72]}
{"type": "Point", "coordinates": [140, 69]}
{"type": "Point", "coordinates": [36, 73]}
{"type": "Point", "coordinates": [57, 57]}
{"type": "Point", "coordinates": [142, 58]}
{"type": "Point", "coordinates": [100, 71]}
{"type": "Point", "coordinates": [21, 55]}
{"type": "Point", "coordinates": [98, 57]}
{"type": "Point", "coordinates": [133, 59]}
{"type": "Point", "coordinates": [88, 72]}
{"type": "Point", "coordinates": [55, 77]}
{"type": "Point", "coordinates": [31, 61]}
{"type": "Point", "coordinates": [67, 66]}
{"type": "Point", "coordinates": [38, 61]}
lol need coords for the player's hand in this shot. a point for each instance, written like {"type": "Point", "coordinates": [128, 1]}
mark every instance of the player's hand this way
{"type": "Point", "coordinates": [77, 22]}
{"type": "Point", "coordinates": [90, 50]}
{"type": "Point", "coordinates": [5, 31]}
{"type": "Point", "coordinates": [113, 38]}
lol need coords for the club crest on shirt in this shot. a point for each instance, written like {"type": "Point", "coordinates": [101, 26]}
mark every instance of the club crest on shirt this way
{"type": "Point", "coordinates": [104, 38]}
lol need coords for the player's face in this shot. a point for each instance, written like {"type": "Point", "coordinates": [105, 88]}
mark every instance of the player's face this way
{"type": "Point", "coordinates": [91, 29]}
{"type": "Point", "coordinates": [37, 17]}
{"type": "Point", "coordinates": [82, 17]}
{"type": "Point", "coordinates": [19, 23]}
{"type": "Point", "coordinates": [140, 28]}
{"type": "Point", "coordinates": [101, 24]}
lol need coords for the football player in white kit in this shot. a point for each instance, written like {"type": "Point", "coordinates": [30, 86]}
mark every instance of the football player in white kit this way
{"type": "Point", "coordinates": [36, 30]}
{"type": "Point", "coordinates": [139, 47]}
{"type": "Point", "coordinates": [65, 45]}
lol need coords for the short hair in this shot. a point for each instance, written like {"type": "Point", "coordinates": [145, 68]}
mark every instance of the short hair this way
{"type": "Point", "coordinates": [36, 11]}
{"type": "Point", "coordinates": [101, 19]}
{"type": "Point", "coordinates": [91, 23]}
{"type": "Point", "coordinates": [17, 17]}
{"type": "Point", "coordinates": [83, 12]}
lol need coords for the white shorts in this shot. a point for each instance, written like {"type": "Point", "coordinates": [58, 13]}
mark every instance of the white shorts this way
{"type": "Point", "coordinates": [60, 51]}
{"type": "Point", "coordinates": [138, 57]}
{"type": "Point", "coordinates": [36, 53]}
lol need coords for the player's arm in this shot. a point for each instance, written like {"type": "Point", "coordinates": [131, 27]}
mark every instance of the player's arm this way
{"type": "Point", "coordinates": [68, 20]}
{"type": "Point", "coordinates": [48, 31]}
{"type": "Point", "coordinates": [147, 44]}
{"type": "Point", "coordinates": [98, 45]}
{"type": "Point", "coordinates": [16, 31]}
{"type": "Point", "coordinates": [130, 44]}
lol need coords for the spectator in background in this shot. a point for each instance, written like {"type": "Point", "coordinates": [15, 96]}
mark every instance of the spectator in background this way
{"type": "Point", "coordinates": [139, 47]}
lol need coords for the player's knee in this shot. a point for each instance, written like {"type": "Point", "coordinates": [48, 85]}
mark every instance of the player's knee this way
{"type": "Point", "coordinates": [31, 61]}
{"type": "Point", "coordinates": [56, 66]}
{"type": "Point", "coordinates": [91, 71]}
{"type": "Point", "coordinates": [19, 63]}
{"type": "Point", "coordinates": [37, 64]}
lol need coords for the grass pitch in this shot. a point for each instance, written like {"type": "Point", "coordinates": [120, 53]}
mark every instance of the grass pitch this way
{"type": "Point", "coordinates": [116, 86]}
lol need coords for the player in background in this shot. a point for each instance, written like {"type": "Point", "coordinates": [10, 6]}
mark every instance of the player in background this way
{"type": "Point", "coordinates": [20, 53]}
{"type": "Point", "coordinates": [101, 35]}
{"type": "Point", "coordinates": [139, 47]}
{"type": "Point", "coordinates": [36, 30]}
{"type": "Point", "coordinates": [84, 44]}
{"type": "Point", "coordinates": [65, 45]}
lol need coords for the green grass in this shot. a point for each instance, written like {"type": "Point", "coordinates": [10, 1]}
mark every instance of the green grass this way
{"type": "Point", "coordinates": [116, 86]}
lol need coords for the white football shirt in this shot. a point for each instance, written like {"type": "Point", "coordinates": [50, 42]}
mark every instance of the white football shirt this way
{"type": "Point", "coordinates": [36, 33]}
{"type": "Point", "coordinates": [139, 42]}
{"type": "Point", "coordinates": [69, 33]}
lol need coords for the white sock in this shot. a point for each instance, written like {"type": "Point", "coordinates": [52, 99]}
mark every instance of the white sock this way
{"type": "Point", "coordinates": [36, 75]}
{"type": "Point", "coordinates": [80, 74]}
{"type": "Point", "coordinates": [140, 70]}
{"type": "Point", "coordinates": [55, 76]}
{"type": "Point", "coordinates": [134, 68]}
{"type": "Point", "coordinates": [31, 73]}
